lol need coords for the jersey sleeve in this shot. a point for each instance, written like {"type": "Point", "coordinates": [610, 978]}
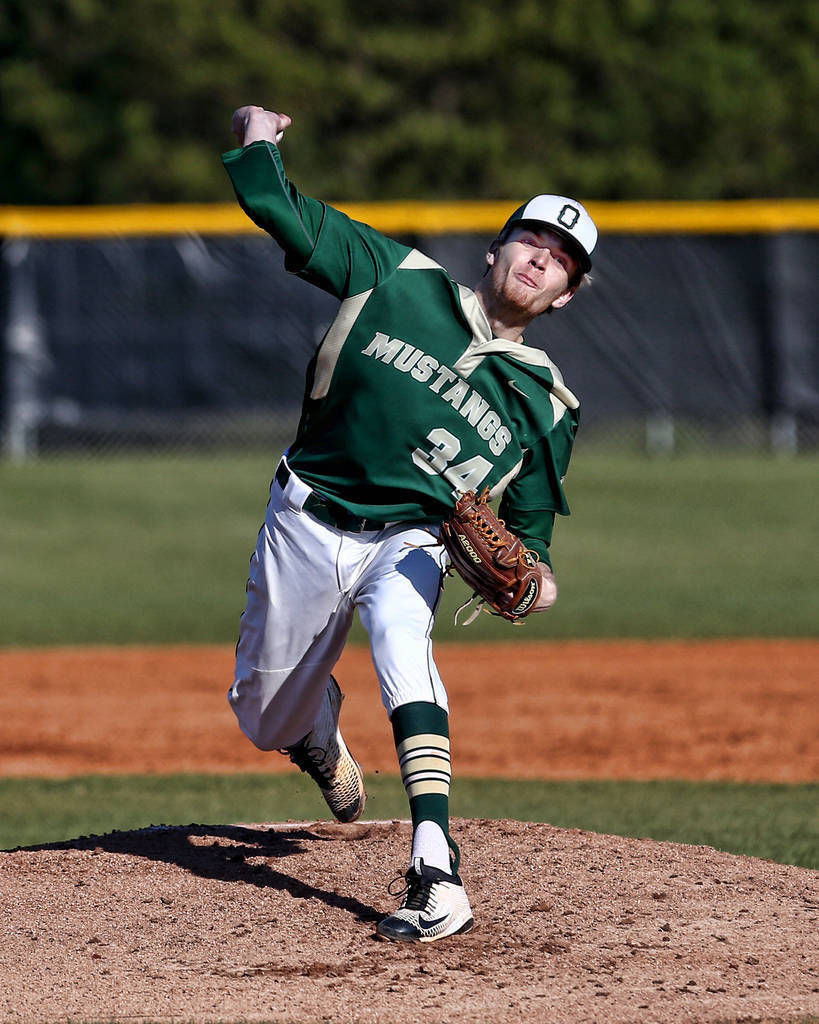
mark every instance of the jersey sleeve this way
{"type": "Point", "coordinates": [531, 501]}
{"type": "Point", "coordinates": [321, 244]}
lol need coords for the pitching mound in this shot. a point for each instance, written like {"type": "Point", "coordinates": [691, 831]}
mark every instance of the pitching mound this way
{"type": "Point", "coordinates": [276, 923]}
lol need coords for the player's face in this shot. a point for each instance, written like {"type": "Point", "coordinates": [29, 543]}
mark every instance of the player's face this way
{"type": "Point", "coordinates": [532, 271]}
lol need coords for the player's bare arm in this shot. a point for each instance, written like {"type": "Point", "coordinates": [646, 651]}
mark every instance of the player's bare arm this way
{"type": "Point", "coordinates": [255, 124]}
{"type": "Point", "coordinates": [548, 589]}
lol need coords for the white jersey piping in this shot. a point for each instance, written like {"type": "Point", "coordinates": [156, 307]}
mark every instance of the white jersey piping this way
{"type": "Point", "coordinates": [334, 340]}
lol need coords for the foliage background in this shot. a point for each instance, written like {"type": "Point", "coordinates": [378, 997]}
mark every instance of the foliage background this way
{"type": "Point", "coordinates": [608, 99]}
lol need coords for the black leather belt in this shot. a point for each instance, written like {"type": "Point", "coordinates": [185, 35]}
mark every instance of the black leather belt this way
{"type": "Point", "coordinates": [327, 511]}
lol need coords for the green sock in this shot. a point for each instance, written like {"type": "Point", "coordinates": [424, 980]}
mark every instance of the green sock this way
{"type": "Point", "coordinates": [421, 733]}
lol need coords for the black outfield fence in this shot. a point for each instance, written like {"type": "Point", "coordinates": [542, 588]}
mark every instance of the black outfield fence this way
{"type": "Point", "coordinates": [178, 328]}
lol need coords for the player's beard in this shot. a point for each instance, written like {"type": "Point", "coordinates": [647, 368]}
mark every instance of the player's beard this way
{"type": "Point", "coordinates": [522, 301]}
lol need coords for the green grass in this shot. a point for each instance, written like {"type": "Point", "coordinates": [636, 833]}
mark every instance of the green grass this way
{"type": "Point", "coordinates": [155, 549]}
{"type": "Point", "coordinates": [776, 822]}
{"type": "Point", "coordinates": [690, 547]}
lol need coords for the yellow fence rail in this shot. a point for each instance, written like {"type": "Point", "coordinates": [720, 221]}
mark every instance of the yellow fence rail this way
{"type": "Point", "coordinates": [413, 217]}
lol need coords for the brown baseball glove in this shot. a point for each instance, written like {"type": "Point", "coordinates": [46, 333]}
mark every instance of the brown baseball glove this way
{"type": "Point", "coordinates": [501, 571]}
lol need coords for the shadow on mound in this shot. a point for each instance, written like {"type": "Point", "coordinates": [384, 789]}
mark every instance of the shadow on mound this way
{"type": "Point", "coordinates": [232, 853]}
{"type": "Point", "coordinates": [275, 922]}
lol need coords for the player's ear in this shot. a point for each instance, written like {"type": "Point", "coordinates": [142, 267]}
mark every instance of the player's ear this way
{"type": "Point", "coordinates": [565, 298]}
{"type": "Point", "coordinates": [493, 249]}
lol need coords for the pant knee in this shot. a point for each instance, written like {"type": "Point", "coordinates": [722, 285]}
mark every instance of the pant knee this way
{"type": "Point", "coordinates": [274, 714]}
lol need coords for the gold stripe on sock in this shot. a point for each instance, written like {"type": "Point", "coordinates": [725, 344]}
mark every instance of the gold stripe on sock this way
{"type": "Point", "coordinates": [426, 786]}
{"type": "Point", "coordinates": [420, 763]}
{"type": "Point", "coordinates": [427, 774]}
{"type": "Point", "coordinates": [425, 739]}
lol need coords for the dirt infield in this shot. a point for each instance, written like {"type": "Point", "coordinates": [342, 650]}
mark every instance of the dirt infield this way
{"type": "Point", "coordinates": [276, 923]}
{"type": "Point", "coordinates": [238, 923]}
{"type": "Point", "coordinates": [741, 710]}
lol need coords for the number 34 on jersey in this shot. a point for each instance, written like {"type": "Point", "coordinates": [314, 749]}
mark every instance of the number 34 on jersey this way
{"type": "Point", "coordinates": [464, 476]}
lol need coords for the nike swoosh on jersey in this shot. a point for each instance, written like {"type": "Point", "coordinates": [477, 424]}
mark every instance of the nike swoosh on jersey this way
{"type": "Point", "coordinates": [514, 387]}
{"type": "Point", "coordinates": [423, 923]}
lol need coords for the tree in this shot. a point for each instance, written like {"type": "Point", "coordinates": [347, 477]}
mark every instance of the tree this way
{"type": "Point", "coordinates": [609, 99]}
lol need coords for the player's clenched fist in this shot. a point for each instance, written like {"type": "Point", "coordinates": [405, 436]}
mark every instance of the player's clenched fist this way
{"type": "Point", "coordinates": [254, 124]}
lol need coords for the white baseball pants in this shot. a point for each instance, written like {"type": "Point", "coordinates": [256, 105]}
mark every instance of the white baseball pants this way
{"type": "Point", "coordinates": [306, 580]}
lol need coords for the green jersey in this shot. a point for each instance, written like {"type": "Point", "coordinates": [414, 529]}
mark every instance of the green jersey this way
{"type": "Point", "coordinates": [410, 400]}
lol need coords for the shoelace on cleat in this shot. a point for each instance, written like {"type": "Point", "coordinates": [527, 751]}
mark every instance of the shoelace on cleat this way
{"type": "Point", "coordinates": [415, 893]}
{"type": "Point", "coordinates": [313, 761]}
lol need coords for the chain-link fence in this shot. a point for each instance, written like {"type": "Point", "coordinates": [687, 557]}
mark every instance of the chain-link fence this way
{"type": "Point", "coordinates": [193, 341]}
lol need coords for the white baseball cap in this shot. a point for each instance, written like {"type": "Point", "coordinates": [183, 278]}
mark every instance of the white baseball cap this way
{"type": "Point", "coordinates": [565, 216]}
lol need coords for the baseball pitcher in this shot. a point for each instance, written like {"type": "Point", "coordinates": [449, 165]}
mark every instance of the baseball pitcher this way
{"type": "Point", "coordinates": [421, 391]}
